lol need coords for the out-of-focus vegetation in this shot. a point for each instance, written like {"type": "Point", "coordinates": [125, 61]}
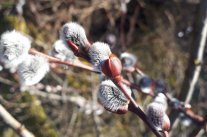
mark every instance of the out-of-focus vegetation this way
{"type": "Point", "coordinates": [159, 32]}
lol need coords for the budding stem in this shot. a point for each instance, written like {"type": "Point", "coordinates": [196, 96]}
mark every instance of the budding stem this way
{"type": "Point", "coordinates": [166, 133]}
{"type": "Point", "coordinates": [120, 85]}
{"type": "Point", "coordinates": [143, 116]}
{"type": "Point", "coordinates": [133, 107]}
{"type": "Point", "coordinates": [135, 86]}
{"type": "Point", "coordinates": [76, 63]}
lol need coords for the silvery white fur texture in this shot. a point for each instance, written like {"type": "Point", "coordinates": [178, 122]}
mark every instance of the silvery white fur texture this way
{"type": "Point", "coordinates": [156, 111]}
{"type": "Point", "coordinates": [111, 97]}
{"type": "Point", "coordinates": [62, 51]}
{"type": "Point", "coordinates": [162, 100]}
{"type": "Point", "coordinates": [14, 47]}
{"type": "Point", "coordinates": [155, 114]}
{"type": "Point", "coordinates": [32, 70]}
{"type": "Point", "coordinates": [99, 52]}
{"type": "Point", "coordinates": [74, 32]}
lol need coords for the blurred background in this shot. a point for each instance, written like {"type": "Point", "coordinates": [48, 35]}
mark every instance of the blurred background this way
{"type": "Point", "coordinates": [163, 34]}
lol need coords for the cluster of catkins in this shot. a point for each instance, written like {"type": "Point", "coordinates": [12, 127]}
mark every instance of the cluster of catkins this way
{"type": "Point", "coordinates": [14, 53]}
{"type": "Point", "coordinates": [97, 54]}
{"type": "Point", "coordinates": [109, 95]}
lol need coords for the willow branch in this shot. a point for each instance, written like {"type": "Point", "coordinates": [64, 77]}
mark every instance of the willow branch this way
{"type": "Point", "coordinates": [135, 86]}
{"type": "Point", "coordinates": [194, 67]}
{"type": "Point", "coordinates": [143, 116]}
{"type": "Point", "coordinates": [75, 63]}
{"type": "Point", "coordinates": [134, 107]}
{"type": "Point", "coordinates": [78, 100]}
{"type": "Point", "coordinates": [13, 123]}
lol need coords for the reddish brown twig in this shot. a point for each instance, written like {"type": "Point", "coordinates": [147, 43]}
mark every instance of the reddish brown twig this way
{"type": "Point", "coordinates": [142, 115]}
{"type": "Point", "coordinates": [135, 86]}
{"type": "Point", "coordinates": [75, 63]}
{"type": "Point", "coordinates": [187, 111]}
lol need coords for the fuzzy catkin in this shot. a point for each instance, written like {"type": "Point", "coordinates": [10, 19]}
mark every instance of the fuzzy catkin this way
{"type": "Point", "coordinates": [156, 113]}
{"type": "Point", "coordinates": [62, 51]}
{"type": "Point", "coordinates": [74, 32]}
{"type": "Point", "coordinates": [14, 47]}
{"type": "Point", "coordinates": [161, 100]}
{"type": "Point", "coordinates": [128, 60]}
{"type": "Point", "coordinates": [32, 70]}
{"type": "Point", "coordinates": [111, 97]}
{"type": "Point", "coordinates": [98, 53]}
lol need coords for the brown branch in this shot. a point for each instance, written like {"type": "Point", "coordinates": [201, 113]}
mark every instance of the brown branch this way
{"type": "Point", "coordinates": [143, 116]}
{"type": "Point", "coordinates": [135, 86]}
{"type": "Point", "coordinates": [187, 112]}
{"type": "Point", "coordinates": [76, 63]}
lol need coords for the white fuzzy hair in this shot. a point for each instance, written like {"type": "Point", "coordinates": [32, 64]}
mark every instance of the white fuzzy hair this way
{"type": "Point", "coordinates": [74, 32]}
{"type": "Point", "coordinates": [99, 52]}
{"type": "Point", "coordinates": [62, 51]}
{"type": "Point", "coordinates": [32, 70]}
{"type": "Point", "coordinates": [14, 47]}
{"type": "Point", "coordinates": [111, 97]}
{"type": "Point", "coordinates": [162, 100]}
{"type": "Point", "coordinates": [155, 114]}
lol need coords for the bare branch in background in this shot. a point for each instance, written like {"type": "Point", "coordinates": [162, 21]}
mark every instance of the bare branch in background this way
{"type": "Point", "coordinates": [13, 123]}
{"type": "Point", "coordinates": [85, 105]}
{"type": "Point", "coordinates": [198, 62]}
{"type": "Point", "coordinates": [194, 62]}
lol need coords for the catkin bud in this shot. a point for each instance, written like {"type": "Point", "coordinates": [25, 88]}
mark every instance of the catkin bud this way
{"type": "Point", "coordinates": [112, 68]}
{"type": "Point", "coordinates": [157, 116]}
{"type": "Point", "coordinates": [62, 51]}
{"type": "Point", "coordinates": [14, 47]}
{"type": "Point", "coordinates": [74, 32]}
{"type": "Point", "coordinates": [146, 84]}
{"type": "Point", "coordinates": [112, 98]}
{"type": "Point", "coordinates": [98, 53]}
{"type": "Point", "coordinates": [162, 100]}
{"type": "Point", "coordinates": [128, 61]}
{"type": "Point", "coordinates": [32, 70]}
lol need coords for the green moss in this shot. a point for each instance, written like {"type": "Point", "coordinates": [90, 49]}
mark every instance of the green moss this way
{"type": "Point", "coordinates": [37, 121]}
{"type": "Point", "coordinates": [17, 23]}
{"type": "Point", "coordinates": [81, 80]}
{"type": "Point", "coordinates": [8, 132]}
{"type": "Point", "coordinates": [14, 22]}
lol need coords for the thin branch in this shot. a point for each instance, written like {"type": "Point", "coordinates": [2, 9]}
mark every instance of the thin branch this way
{"type": "Point", "coordinates": [13, 123]}
{"type": "Point", "coordinates": [78, 100]}
{"type": "Point", "coordinates": [134, 107]}
{"type": "Point", "coordinates": [194, 66]}
{"type": "Point", "coordinates": [75, 63]}
{"type": "Point", "coordinates": [135, 86]}
{"type": "Point", "coordinates": [187, 112]}
{"type": "Point", "coordinates": [143, 116]}
{"type": "Point", "coordinates": [198, 60]}
{"type": "Point", "coordinates": [6, 81]}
